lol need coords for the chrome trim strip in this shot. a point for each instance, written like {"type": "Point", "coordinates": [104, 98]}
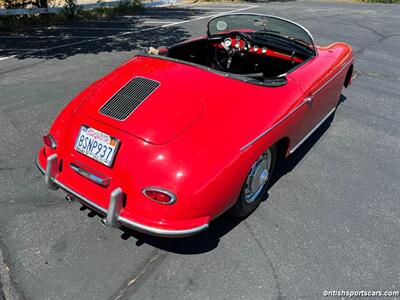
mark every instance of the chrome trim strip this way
{"type": "Point", "coordinates": [161, 190]}
{"type": "Point", "coordinates": [96, 178]}
{"type": "Point", "coordinates": [312, 131]}
{"type": "Point", "coordinates": [162, 232]}
{"type": "Point", "coordinates": [333, 77]}
{"type": "Point", "coordinates": [273, 126]}
{"type": "Point", "coordinates": [129, 223]}
{"type": "Point", "coordinates": [308, 99]}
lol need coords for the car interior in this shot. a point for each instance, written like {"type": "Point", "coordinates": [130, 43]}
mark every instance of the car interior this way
{"type": "Point", "coordinates": [251, 47]}
{"type": "Point", "coordinates": [254, 55]}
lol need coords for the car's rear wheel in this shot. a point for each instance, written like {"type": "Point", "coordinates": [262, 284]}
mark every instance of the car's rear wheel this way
{"type": "Point", "coordinates": [255, 187]}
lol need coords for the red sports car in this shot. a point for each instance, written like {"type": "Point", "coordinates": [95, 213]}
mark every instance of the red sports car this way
{"type": "Point", "coordinates": [166, 143]}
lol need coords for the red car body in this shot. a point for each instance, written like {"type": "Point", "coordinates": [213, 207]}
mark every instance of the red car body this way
{"type": "Point", "coordinates": [196, 135]}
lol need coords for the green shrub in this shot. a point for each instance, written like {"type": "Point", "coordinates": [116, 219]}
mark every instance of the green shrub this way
{"type": "Point", "coordinates": [25, 3]}
{"type": "Point", "coordinates": [123, 8]}
{"type": "Point", "coordinates": [71, 9]}
{"type": "Point", "coordinates": [381, 1]}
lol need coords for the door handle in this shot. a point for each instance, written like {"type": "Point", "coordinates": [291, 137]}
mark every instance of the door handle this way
{"type": "Point", "coordinates": [309, 99]}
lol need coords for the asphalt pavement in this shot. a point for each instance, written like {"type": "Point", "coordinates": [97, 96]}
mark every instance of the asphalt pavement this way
{"type": "Point", "coordinates": [332, 218]}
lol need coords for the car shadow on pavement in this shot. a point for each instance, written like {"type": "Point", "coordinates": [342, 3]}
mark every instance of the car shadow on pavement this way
{"type": "Point", "coordinates": [203, 242]}
{"type": "Point", "coordinates": [209, 239]}
{"type": "Point", "coordinates": [286, 165]}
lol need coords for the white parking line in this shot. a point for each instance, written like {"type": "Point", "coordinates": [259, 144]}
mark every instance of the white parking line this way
{"type": "Point", "coordinates": [6, 57]}
{"type": "Point", "coordinates": [157, 22]}
{"type": "Point", "coordinates": [46, 37]}
{"type": "Point", "coordinates": [247, 7]}
{"type": "Point", "coordinates": [210, 16]}
{"type": "Point", "coordinates": [233, 5]}
{"type": "Point", "coordinates": [20, 49]}
{"type": "Point", "coordinates": [211, 7]}
{"type": "Point", "coordinates": [106, 21]}
{"type": "Point", "coordinates": [88, 28]}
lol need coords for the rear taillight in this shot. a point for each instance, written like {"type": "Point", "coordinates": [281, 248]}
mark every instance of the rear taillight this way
{"type": "Point", "coordinates": [159, 195]}
{"type": "Point", "coordinates": [49, 141]}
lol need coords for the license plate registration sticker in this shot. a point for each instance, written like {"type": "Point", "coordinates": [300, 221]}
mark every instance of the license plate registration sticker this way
{"type": "Point", "coordinates": [96, 145]}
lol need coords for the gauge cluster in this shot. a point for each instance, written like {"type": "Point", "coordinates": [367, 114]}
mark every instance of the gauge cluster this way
{"type": "Point", "coordinates": [235, 43]}
{"type": "Point", "coordinates": [238, 43]}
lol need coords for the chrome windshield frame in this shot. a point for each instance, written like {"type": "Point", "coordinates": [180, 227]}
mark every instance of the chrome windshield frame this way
{"type": "Point", "coordinates": [268, 16]}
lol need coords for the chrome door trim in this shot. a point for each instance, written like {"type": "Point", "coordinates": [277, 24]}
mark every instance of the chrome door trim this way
{"type": "Point", "coordinates": [312, 131]}
{"type": "Point", "coordinates": [273, 126]}
{"type": "Point", "coordinates": [333, 78]}
{"type": "Point", "coordinates": [308, 99]}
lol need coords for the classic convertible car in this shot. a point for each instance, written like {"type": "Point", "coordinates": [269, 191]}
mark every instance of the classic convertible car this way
{"type": "Point", "coordinates": [166, 143]}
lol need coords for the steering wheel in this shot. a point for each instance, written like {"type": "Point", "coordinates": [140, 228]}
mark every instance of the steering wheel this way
{"type": "Point", "coordinates": [225, 55]}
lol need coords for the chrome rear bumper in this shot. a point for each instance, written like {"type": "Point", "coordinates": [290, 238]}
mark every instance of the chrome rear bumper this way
{"type": "Point", "coordinates": [113, 218]}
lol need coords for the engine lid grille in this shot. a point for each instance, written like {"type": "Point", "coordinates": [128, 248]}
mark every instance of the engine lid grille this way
{"type": "Point", "coordinates": [127, 99]}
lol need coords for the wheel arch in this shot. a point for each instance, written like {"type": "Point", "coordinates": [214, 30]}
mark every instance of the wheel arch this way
{"type": "Point", "coordinates": [282, 147]}
{"type": "Point", "coordinates": [349, 76]}
{"type": "Point", "coordinates": [282, 144]}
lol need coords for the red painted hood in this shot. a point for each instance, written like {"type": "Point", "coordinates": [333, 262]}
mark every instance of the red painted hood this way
{"type": "Point", "coordinates": [165, 114]}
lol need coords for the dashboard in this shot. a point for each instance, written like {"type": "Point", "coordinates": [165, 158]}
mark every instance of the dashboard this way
{"type": "Point", "coordinates": [238, 44]}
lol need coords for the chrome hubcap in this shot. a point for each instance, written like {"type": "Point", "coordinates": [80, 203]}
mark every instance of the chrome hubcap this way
{"type": "Point", "coordinates": [258, 177]}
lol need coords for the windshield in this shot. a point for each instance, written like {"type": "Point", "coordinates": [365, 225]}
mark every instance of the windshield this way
{"type": "Point", "coordinates": [261, 25]}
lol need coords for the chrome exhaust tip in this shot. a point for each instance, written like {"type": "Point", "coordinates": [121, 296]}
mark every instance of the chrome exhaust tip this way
{"type": "Point", "coordinates": [69, 198]}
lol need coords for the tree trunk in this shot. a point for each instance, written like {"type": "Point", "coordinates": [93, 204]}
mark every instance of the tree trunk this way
{"type": "Point", "coordinates": [43, 3]}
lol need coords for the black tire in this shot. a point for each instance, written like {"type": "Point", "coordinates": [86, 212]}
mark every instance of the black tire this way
{"type": "Point", "coordinates": [242, 208]}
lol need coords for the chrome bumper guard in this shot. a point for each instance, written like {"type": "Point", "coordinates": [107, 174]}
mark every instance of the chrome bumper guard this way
{"type": "Point", "coordinates": [115, 207]}
{"type": "Point", "coordinates": [51, 172]}
{"type": "Point", "coordinates": [117, 197]}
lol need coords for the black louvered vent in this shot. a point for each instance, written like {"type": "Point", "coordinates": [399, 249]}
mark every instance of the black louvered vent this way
{"type": "Point", "coordinates": [123, 103]}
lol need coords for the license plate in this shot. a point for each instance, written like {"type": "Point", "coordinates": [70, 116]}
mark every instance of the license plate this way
{"type": "Point", "coordinates": [96, 145]}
